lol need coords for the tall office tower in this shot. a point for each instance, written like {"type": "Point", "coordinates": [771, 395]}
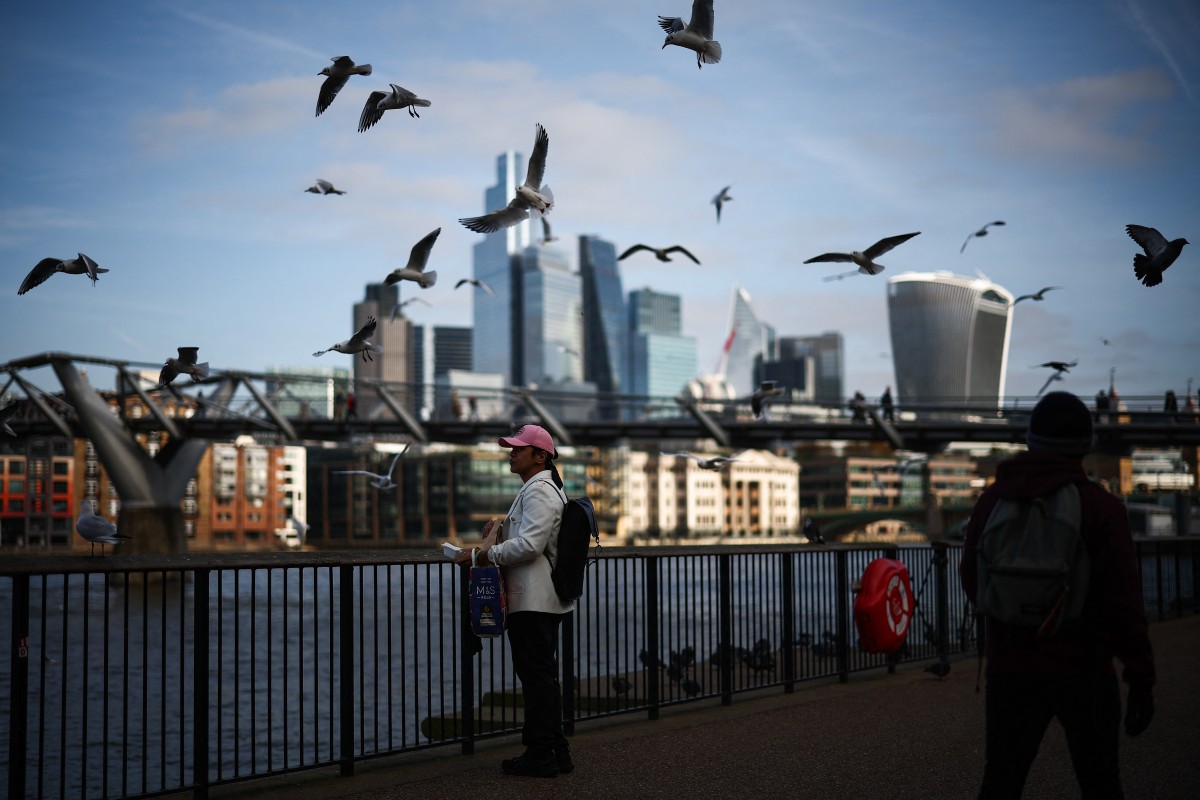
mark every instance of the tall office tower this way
{"type": "Point", "coordinates": [437, 349]}
{"type": "Point", "coordinates": [307, 390]}
{"type": "Point", "coordinates": [949, 337]}
{"type": "Point", "coordinates": [748, 340]}
{"type": "Point", "coordinates": [605, 319]}
{"type": "Point", "coordinates": [809, 366]}
{"type": "Point", "coordinates": [495, 319]}
{"type": "Point", "coordinates": [661, 359]}
{"type": "Point", "coordinates": [551, 319]}
{"type": "Point", "coordinates": [394, 365]}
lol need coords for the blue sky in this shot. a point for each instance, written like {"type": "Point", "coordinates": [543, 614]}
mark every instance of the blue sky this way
{"type": "Point", "coordinates": [172, 142]}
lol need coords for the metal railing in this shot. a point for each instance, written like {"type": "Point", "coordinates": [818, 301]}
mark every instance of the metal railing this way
{"type": "Point", "coordinates": [139, 676]}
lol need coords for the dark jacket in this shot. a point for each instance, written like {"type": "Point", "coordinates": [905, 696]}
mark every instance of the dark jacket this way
{"type": "Point", "coordinates": [1113, 622]}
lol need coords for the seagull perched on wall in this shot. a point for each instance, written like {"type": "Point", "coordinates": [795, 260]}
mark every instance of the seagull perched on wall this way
{"type": "Point", "coordinates": [696, 35]}
{"type": "Point", "coordinates": [382, 482]}
{"type": "Point", "coordinates": [762, 396]}
{"type": "Point", "coordinates": [661, 253]}
{"type": "Point", "coordinates": [477, 283]}
{"type": "Point", "coordinates": [1159, 255]}
{"type": "Point", "coordinates": [323, 186]}
{"type": "Point", "coordinates": [83, 265]}
{"type": "Point", "coordinates": [5, 415]}
{"type": "Point", "coordinates": [715, 464]}
{"type": "Point", "coordinates": [186, 363]}
{"type": "Point", "coordinates": [379, 102]}
{"type": "Point", "coordinates": [399, 306]}
{"type": "Point", "coordinates": [1038, 295]}
{"type": "Point", "coordinates": [336, 77]}
{"type": "Point", "coordinates": [414, 270]}
{"type": "Point", "coordinates": [360, 342]}
{"type": "Point", "coordinates": [532, 195]}
{"type": "Point", "coordinates": [981, 232]}
{"type": "Point", "coordinates": [720, 199]}
{"type": "Point", "coordinates": [96, 529]}
{"type": "Point", "coordinates": [866, 259]}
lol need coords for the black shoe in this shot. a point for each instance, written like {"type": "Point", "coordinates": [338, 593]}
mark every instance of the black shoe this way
{"type": "Point", "coordinates": [531, 766]}
{"type": "Point", "coordinates": [563, 757]}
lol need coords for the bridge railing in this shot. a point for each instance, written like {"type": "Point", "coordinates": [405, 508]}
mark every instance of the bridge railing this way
{"type": "Point", "coordinates": [135, 676]}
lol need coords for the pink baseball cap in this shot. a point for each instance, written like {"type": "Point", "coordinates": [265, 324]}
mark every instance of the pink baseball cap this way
{"type": "Point", "coordinates": [531, 436]}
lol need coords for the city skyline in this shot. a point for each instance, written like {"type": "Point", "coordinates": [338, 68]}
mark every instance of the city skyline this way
{"type": "Point", "coordinates": [174, 148]}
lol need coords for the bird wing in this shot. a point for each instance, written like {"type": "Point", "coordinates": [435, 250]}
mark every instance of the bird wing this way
{"type": "Point", "coordinates": [512, 214]}
{"type": "Point", "coordinates": [401, 96]}
{"type": "Point", "coordinates": [365, 332]}
{"type": "Point", "coordinates": [968, 239]}
{"type": "Point", "coordinates": [371, 112]}
{"type": "Point", "coordinates": [420, 251]}
{"type": "Point", "coordinates": [830, 257]}
{"type": "Point", "coordinates": [1022, 297]}
{"type": "Point", "coordinates": [166, 375]}
{"type": "Point", "coordinates": [485, 287]}
{"type": "Point", "coordinates": [680, 249]}
{"type": "Point", "coordinates": [325, 186]}
{"type": "Point", "coordinates": [1149, 239]}
{"type": "Point", "coordinates": [396, 458]}
{"type": "Point", "coordinates": [720, 197]}
{"type": "Point", "coordinates": [633, 250]}
{"type": "Point", "coordinates": [461, 281]}
{"type": "Point", "coordinates": [546, 237]}
{"type": "Point", "coordinates": [188, 355]}
{"type": "Point", "coordinates": [38, 275]}
{"type": "Point", "coordinates": [671, 24]}
{"type": "Point", "coordinates": [884, 245]}
{"type": "Point", "coordinates": [356, 472]}
{"type": "Point", "coordinates": [1047, 289]}
{"type": "Point", "coordinates": [840, 275]}
{"type": "Point", "coordinates": [702, 18]}
{"type": "Point", "coordinates": [329, 90]}
{"type": "Point", "coordinates": [537, 161]}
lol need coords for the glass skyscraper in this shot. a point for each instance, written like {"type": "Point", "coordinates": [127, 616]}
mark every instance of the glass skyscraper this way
{"type": "Point", "coordinates": [551, 319]}
{"type": "Point", "coordinates": [661, 360]}
{"type": "Point", "coordinates": [752, 341]}
{"type": "Point", "coordinates": [949, 337]}
{"type": "Point", "coordinates": [605, 319]}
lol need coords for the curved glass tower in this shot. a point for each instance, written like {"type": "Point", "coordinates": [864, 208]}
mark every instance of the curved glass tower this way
{"type": "Point", "coordinates": [949, 338]}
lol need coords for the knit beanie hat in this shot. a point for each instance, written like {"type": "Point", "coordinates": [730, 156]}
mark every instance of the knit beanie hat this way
{"type": "Point", "coordinates": [1061, 424]}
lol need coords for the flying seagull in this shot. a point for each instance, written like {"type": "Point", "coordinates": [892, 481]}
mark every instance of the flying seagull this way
{"type": "Point", "coordinates": [399, 306]}
{"type": "Point", "coordinates": [981, 232]}
{"type": "Point", "coordinates": [1059, 368]}
{"type": "Point", "coordinates": [360, 342]}
{"type": "Point", "coordinates": [696, 35]}
{"type": "Point", "coordinates": [337, 75]}
{"type": "Point", "coordinates": [83, 265]}
{"type": "Point", "coordinates": [323, 187]}
{"type": "Point", "coordinates": [1038, 295]}
{"type": "Point", "coordinates": [720, 199]}
{"type": "Point", "coordinates": [96, 529]}
{"type": "Point", "coordinates": [477, 283]}
{"type": "Point", "coordinates": [379, 102]}
{"type": "Point", "coordinates": [6, 414]}
{"type": "Point", "coordinates": [414, 270]}
{"type": "Point", "coordinates": [762, 396]}
{"type": "Point", "coordinates": [531, 195]}
{"type": "Point", "coordinates": [716, 463]}
{"type": "Point", "coordinates": [661, 253]}
{"type": "Point", "coordinates": [866, 259]}
{"type": "Point", "coordinates": [562, 348]}
{"type": "Point", "coordinates": [1159, 255]}
{"type": "Point", "coordinates": [547, 237]}
{"type": "Point", "coordinates": [186, 363]}
{"type": "Point", "coordinates": [383, 481]}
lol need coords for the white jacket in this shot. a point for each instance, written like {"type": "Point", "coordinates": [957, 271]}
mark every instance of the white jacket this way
{"type": "Point", "coordinates": [531, 529]}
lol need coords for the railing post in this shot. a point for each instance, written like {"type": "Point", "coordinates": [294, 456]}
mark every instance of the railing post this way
{"type": "Point", "coordinates": [200, 675]}
{"type": "Point", "coordinates": [843, 615]}
{"type": "Point", "coordinates": [726, 620]}
{"type": "Point", "coordinates": [568, 674]}
{"type": "Point", "coordinates": [467, 643]}
{"type": "Point", "coordinates": [346, 666]}
{"type": "Point", "coordinates": [941, 563]}
{"type": "Point", "coordinates": [651, 604]}
{"type": "Point", "coordinates": [18, 706]}
{"type": "Point", "coordinates": [789, 622]}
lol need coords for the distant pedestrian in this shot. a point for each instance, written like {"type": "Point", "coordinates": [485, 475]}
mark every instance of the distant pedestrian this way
{"type": "Point", "coordinates": [858, 404]}
{"type": "Point", "coordinates": [455, 405]}
{"type": "Point", "coordinates": [885, 403]}
{"type": "Point", "coordinates": [473, 405]}
{"type": "Point", "coordinates": [339, 406]}
{"type": "Point", "coordinates": [351, 406]}
{"type": "Point", "coordinates": [1101, 405]}
{"type": "Point", "coordinates": [1170, 403]}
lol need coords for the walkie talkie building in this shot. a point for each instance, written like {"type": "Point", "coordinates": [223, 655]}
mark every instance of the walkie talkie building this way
{"type": "Point", "coordinates": [949, 338]}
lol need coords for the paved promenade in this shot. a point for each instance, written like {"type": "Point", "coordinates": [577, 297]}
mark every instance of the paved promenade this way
{"type": "Point", "coordinates": [907, 735]}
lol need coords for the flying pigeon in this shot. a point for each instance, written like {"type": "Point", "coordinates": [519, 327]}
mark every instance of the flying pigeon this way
{"type": "Point", "coordinates": [531, 195]}
{"type": "Point", "coordinates": [323, 187]}
{"type": "Point", "coordinates": [360, 342]}
{"type": "Point", "coordinates": [83, 265]}
{"type": "Point", "coordinates": [696, 35]}
{"type": "Point", "coordinates": [840, 276]}
{"type": "Point", "coordinates": [1039, 295]}
{"type": "Point", "coordinates": [186, 363]}
{"type": "Point", "coordinates": [414, 270]}
{"type": "Point", "coordinates": [96, 529]}
{"type": "Point", "coordinates": [722, 197]}
{"type": "Point", "coordinates": [762, 397]}
{"type": "Point", "coordinates": [716, 463]}
{"type": "Point", "coordinates": [661, 253]}
{"type": "Point", "coordinates": [337, 75]}
{"type": "Point", "coordinates": [6, 414]}
{"type": "Point", "coordinates": [477, 283]}
{"type": "Point", "coordinates": [547, 237]}
{"type": "Point", "coordinates": [384, 481]}
{"type": "Point", "coordinates": [1159, 255]}
{"type": "Point", "coordinates": [399, 306]}
{"type": "Point", "coordinates": [379, 102]}
{"type": "Point", "coordinates": [981, 232]}
{"type": "Point", "coordinates": [866, 259]}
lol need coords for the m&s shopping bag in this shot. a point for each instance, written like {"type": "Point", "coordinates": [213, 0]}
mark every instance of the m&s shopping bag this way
{"type": "Point", "coordinates": [488, 605]}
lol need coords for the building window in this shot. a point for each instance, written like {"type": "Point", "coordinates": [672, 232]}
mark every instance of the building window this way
{"type": "Point", "coordinates": [16, 468]}
{"type": "Point", "coordinates": [61, 487]}
{"type": "Point", "coordinates": [59, 507]}
{"type": "Point", "coordinates": [16, 486]}
{"type": "Point", "coordinates": [16, 505]}
{"type": "Point", "coordinates": [62, 468]}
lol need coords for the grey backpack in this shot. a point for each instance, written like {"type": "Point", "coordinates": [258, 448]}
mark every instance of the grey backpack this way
{"type": "Point", "coordinates": [1032, 564]}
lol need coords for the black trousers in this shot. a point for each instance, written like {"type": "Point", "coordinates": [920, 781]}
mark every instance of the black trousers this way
{"type": "Point", "coordinates": [533, 638]}
{"type": "Point", "coordinates": [1019, 709]}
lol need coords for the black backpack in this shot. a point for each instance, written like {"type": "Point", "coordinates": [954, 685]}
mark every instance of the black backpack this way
{"type": "Point", "coordinates": [575, 535]}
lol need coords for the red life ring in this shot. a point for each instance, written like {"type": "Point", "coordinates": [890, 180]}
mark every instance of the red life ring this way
{"type": "Point", "coordinates": [884, 606]}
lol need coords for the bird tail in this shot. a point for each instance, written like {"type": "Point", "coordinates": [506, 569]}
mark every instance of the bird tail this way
{"type": "Point", "coordinates": [201, 372]}
{"type": "Point", "coordinates": [375, 348]}
{"type": "Point", "coordinates": [363, 69]}
{"type": "Point", "coordinates": [1141, 268]}
{"type": "Point", "coordinates": [421, 102]}
{"type": "Point", "coordinates": [428, 279]}
{"type": "Point", "coordinates": [867, 271]}
{"type": "Point", "coordinates": [546, 192]}
{"type": "Point", "coordinates": [712, 53]}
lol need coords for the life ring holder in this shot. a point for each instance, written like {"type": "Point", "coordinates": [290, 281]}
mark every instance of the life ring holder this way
{"type": "Point", "coordinates": [884, 606]}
